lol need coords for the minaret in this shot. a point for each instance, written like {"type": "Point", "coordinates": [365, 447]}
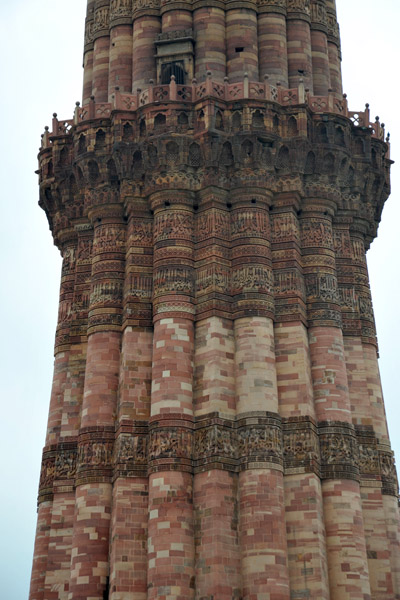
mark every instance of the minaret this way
{"type": "Point", "coordinates": [216, 426]}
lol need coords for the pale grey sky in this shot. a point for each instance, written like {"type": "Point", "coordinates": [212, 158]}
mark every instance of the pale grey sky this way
{"type": "Point", "coordinates": [41, 49]}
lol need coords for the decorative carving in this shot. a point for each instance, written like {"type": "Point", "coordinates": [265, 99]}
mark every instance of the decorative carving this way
{"type": "Point", "coordinates": [273, 3]}
{"type": "Point", "coordinates": [109, 238]}
{"type": "Point", "coordinates": [120, 8]}
{"type": "Point", "coordinates": [250, 223]}
{"type": "Point", "coordinates": [89, 31]}
{"type": "Point", "coordinates": [173, 279]}
{"type": "Point", "coordinates": [339, 451]}
{"type": "Point", "coordinates": [249, 278]}
{"type": "Point", "coordinates": [301, 445]}
{"type": "Point", "coordinates": [299, 6]}
{"type": "Point", "coordinates": [173, 224]}
{"type": "Point", "coordinates": [141, 234]}
{"type": "Point", "coordinates": [47, 471]}
{"type": "Point", "coordinates": [101, 20]}
{"type": "Point", "coordinates": [365, 307]}
{"type": "Point", "coordinates": [284, 228]}
{"type": "Point", "coordinates": [368, 459]}
{"type": "Point", "coordinates": [333, 28]}
{"type": "Point", "coordinates": [390, 485]}
{"type": "Point", "coordinates": [316, 233]}
{"type": "Point", "coordinates": [66, 463]}
{"type": "Point", "coordinates": [236, 443]}
{"type": "Point", "coordinates": [171, 442]}
{"type": "Point", "coordinates": [95, 453]}
{"type": "Point", "coordinates": [260, 442]}
{"type": "Point", "coordinates": [107, 293]}
{"type": "Point", "coordinates": [348, 298]}
{"type": "Point", "coordinates": [130, 448]}
{"type": "Point", "coordinates": [213, 223]}
{"type": "Point", "coordinates": [287, 282]}
{"type": "Point", "coordinates": [175, 35]}
{"type": "Point", "coordinates": [322, 287]}
{"type": "Point", "coordinates": [318, 13]}
{"type": "Point", "coordinates": [213, 277]}
{"type": "Point", "coordinates": [140, 286]}
{"type": "Point", "coordinates": [341, 243]}
{"type": "Point", "coordinates": [215, 440]}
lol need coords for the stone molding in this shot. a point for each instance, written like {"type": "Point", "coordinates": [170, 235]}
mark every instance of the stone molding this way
{"type": "Point", "coordinates": [256, 440]}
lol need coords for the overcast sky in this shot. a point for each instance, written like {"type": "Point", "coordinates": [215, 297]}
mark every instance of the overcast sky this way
{"type": "Point", "coordinates": [41, 49]}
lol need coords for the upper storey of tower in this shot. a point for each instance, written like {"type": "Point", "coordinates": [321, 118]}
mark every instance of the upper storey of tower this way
{"type": "Point", "coordinates": [130, 44]}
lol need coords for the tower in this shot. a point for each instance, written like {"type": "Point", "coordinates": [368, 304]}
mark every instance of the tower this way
{"type": "Point", "coordinates": [216, 424]}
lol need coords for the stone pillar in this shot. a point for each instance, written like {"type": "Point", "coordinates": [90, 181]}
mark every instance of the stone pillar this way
{"type": "Point", "coordinates": [241, 42]}
{"type": "Point", "coordinates": [146, 26]}
{"type": "Point", "coordinates": [365, 396]}
{"type": "Point", "coordinates": [391, 508]}
{"type": "Point", "coordinates": [41, 550]}
{"type": "Point", "coordinates": [128, 568]}
{"type": "Point", "coordinates": [335, 55]}
{"type": "Point", "coordinates": [299, 44]}
{"type": "Point", "coordinates": [88, 53]}
{"type": "Point", "coordinates": [171, 526]}
{"type": "Point", "coordinates": [262, 535]}
{"type": "Point", "coordinates": [101, 50]}
{"type": "Point", "coordinates": [209, 31]}
{"type": "Point", "coordinates": [319, 48]}
{"type": "Point", "coordinates": [59, 549]}
{"type": "Point", "coordinates": [78, 271]}
{"type": "Point", "coordinates": [120, 66]}
{"type": "Point", "coordinates": [215, 485]}
{"type": "Point", "coordinates": [90, 544]}
{"type": "Point", "coordinates": [45, 570]}
{"type": "Point", "coordinates": [272, 42]}
{"type": "Point", "coordinates": [346, 548]}
{"type": "Point", "coordinates": [302, 487]}
{"type": "Point", "coordinates": [176, 16]}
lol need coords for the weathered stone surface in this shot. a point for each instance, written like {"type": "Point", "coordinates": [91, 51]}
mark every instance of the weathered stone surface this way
{"type": "Point", "coordinates": [216, 425]}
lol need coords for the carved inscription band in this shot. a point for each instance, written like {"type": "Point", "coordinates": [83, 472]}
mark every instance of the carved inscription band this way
{"type": "Point", "coordinates": [331, 450]}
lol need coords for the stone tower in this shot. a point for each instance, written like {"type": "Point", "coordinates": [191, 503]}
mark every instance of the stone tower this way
{"type": "Point", "coordinates": [216, 427]}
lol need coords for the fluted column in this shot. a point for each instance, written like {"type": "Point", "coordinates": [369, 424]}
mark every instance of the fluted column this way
{"type": "Point", "coordinates": [46, 567]}
{"type": "Point", "coordinates": [101, 50]}
{"type": "Point", "coordinates": [41, 550]}
{"type": "Point", "coordinates": [241, 41]}
{"type": "Point", "coordinates": [319, 48]}
{"type": "Point", "coordinates": [209, 31]}
{"type": "Point", "coordinates": [299, 43]}
{"type": "Point", "coordinates": [335, 55]}
{"type": "Point", "coordinates": [346, 547]}
{"type": "Point", "coordinates": [58, 568]}
{"type": "Point", "coordinates": [262, 535]}
{"type": "Point", "coordinates": [121, 33]}
{"type": "Point", "coordinates": [302, 487]}
{"type": "Point", "coordinates": [146, 26]}
{"type": "Point", "coordinates": [272, 42]}
{"type": "Point", "coordinates": [90, 544]}
{"type": "Point", "coordinates": [171, 526]}
{"type": "Point", "coordinates": [215, 486]}
{"type": "Point", "coordinates": [88, 53]}
{"type": "Point", "coordinates": [128, 568]}
{"type": "Point", "coordinates": [176, 16]}
{"type": "Point", "coordinates": [367, 408]}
